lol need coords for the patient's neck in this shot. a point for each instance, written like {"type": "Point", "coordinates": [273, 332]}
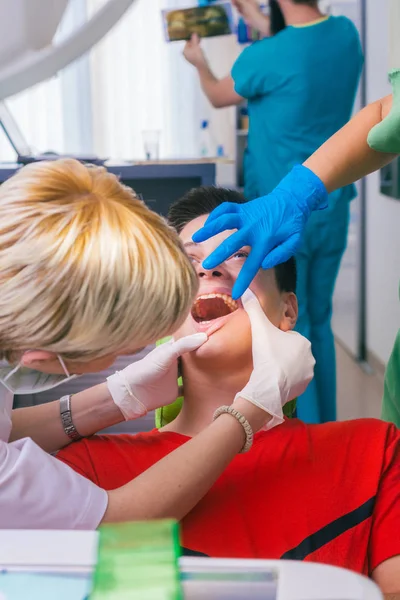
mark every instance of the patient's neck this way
{"type": "Point", "coordinates": [206, 389]}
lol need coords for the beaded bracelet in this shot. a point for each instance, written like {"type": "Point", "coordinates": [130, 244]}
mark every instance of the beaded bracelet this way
{"type": "Point", "coordinates": [242, 420]}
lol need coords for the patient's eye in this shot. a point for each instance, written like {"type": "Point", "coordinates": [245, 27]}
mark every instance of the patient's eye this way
{"type": "Point", "coordinates": [241, 254]}
{"type": "Point", "coordinates": [193, 259]}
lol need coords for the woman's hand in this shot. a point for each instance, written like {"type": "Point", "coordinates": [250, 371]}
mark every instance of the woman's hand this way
{"type": "Point", "coordinates": [283, 364]}
{"type": "Point", "coordinates": [153, 381]}
{"type": "Point", "coordinates": [193, 52]}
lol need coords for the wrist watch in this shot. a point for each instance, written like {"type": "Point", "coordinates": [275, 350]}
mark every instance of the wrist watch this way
{"type": "Point", "coordinates": [66, 419]}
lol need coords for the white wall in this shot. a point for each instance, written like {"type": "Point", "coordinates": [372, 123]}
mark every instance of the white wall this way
{"type": "Point", "coordinates": [383, 213]}
{"type": "Point", "coordinates": [222, 53]}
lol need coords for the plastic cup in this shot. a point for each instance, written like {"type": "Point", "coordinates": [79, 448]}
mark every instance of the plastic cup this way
{"type": "Point", "coordinates": [151, 143]}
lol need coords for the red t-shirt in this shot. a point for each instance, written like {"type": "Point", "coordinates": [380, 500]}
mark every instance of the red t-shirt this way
{"type": "Point", "coordinates": [324, 493]}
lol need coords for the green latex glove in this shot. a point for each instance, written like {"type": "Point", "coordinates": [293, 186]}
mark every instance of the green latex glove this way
{"type": "Point", "coordinates": [385, 137]}
{"type": "Point", "coordinates": [166, 414]}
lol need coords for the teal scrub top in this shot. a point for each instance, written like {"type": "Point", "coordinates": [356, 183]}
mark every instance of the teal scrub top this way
{"type": "Point", "coordinates": [300, 85]}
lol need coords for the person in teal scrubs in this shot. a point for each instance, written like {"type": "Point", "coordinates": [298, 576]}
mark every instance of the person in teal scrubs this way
{"type": "Point", "coordinates": [273, 225]}
{"type": "Point", "coordinates": [300, 86]}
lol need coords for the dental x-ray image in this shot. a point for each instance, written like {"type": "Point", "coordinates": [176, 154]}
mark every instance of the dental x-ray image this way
{"type": "Point", "coordinates": [206, 21]}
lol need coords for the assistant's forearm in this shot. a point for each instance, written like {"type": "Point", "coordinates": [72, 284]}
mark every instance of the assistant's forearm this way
{"type": "Point", "coordinates": [209, 84]}
{"type": "Point", "coordinates": [92, 410]}
{"type": "Point", "coordinates": [346, 157]}
{"type": "Point", "coordinates": [220, 92]}
{"type": "Point", "coordinates": [174, 485]}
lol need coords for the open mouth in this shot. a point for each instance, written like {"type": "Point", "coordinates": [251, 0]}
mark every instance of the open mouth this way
{"type": "Point", "coordinates": [209, 307]}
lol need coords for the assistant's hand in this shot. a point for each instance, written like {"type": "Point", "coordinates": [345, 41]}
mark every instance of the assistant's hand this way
{"type": "Point", "coordinates": [153, 381]}
{"type": "Point", "coordinates": [283, 364]}
{"type": "Point", "coordinates": [251, 12]}
{"type": "Point", "coordinates": [271, 225]}
{"type": "Point", "coordinates": [193, 52]}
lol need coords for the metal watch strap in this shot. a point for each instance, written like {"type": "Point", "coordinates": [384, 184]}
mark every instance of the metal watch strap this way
{"type": "Point", "coordinates": [66, 419]}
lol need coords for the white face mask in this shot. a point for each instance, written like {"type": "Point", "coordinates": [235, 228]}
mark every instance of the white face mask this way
{"type": "Point", "coordinates": [22, 380]}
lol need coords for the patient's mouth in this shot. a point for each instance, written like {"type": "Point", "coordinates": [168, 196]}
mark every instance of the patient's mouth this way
{"type": "Point", "coordinates": [209, 307]}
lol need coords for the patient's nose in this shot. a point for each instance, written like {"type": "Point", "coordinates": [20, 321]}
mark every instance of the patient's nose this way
{"type": "Point", "coordinates": [205, 273]}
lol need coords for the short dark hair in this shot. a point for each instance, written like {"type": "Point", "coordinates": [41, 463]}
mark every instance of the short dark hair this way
{"type": "Point", "coordinates": [277, 20]}
{"type": "Point", "coordinates": [201, 201]}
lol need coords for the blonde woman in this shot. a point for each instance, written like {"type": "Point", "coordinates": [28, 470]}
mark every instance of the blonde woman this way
{"type": "Point", "coordinates": [88, 273]}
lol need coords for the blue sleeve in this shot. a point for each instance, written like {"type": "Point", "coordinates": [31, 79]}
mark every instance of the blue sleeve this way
{"type": "Point", "coordinates": [252, 72]}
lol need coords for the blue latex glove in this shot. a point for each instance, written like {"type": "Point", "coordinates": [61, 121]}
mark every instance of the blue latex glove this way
{"type": "Point", "coordinates": [271, 225]}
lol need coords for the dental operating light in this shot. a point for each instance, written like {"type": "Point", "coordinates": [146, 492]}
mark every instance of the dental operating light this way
{"type": "Point", "coordinates": [28, 54]}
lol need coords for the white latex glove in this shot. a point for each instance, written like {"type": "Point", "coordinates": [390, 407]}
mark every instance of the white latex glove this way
{"type": "Point", "coordinates": [153, 381]}
{"type": "Point", "coordinates": [283, 364]}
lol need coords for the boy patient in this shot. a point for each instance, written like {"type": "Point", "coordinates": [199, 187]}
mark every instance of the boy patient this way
{"type": "Point", "coordinates": [326, 493]}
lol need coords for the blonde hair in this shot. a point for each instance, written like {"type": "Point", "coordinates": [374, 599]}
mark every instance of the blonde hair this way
{"type": "Point", "coordinates": [85, 267]}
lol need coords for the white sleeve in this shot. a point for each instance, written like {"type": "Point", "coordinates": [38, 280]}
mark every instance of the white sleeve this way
{"type": "Point", "coordinates": [37, 491]}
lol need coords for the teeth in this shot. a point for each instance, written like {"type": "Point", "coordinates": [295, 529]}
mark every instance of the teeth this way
{"type": "Point", "coordinates": [227, 299]}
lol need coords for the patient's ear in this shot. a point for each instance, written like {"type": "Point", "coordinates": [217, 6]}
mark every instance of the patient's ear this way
{"type": "Point", "coordinates": [290, 311]}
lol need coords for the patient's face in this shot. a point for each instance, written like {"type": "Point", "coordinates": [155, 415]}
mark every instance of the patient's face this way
{"type": "Point", "coordinates": [215, 309]}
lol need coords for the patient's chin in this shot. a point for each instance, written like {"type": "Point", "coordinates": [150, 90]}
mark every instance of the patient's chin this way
{"type": "Point", "coordinates": [211, 348]}
{"type": "Point", "coordinates": [212, 356]}
{"type": "Point", "coordinates": [229, 347]}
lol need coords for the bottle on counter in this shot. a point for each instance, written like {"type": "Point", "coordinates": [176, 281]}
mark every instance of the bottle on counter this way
{"type": "Point", "coordinates": [247, 34]}
{"type": "Point", "coordinates": [206, 144]}
{"type": "Point", "coordinates": [242, 31]}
